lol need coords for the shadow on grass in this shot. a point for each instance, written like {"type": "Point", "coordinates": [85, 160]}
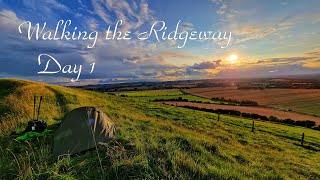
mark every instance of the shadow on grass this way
{"type": "Point", "coordinates": [308, 147]}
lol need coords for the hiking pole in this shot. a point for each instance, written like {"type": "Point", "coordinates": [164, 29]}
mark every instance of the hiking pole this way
{"type": "Point", "coordinates": [34, 107]}
{"type": "Point", "coordinates": [39, 107]}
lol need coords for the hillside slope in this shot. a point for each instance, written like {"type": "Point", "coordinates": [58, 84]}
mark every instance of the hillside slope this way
{"type": "Point", "coordinates": [154, 141]}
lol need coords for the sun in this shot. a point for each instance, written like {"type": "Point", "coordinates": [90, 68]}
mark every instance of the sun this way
{"type": "Point", "coordinates": [232, 59]}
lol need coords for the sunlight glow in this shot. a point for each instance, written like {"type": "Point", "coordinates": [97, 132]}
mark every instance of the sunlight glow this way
{"type": "Point", "coordinates": [232, 59]}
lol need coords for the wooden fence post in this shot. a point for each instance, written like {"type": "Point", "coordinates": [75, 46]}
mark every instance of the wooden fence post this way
{"type": "Point", "coordinates": [302, 139]}
{"type": "Point", "coordinates": [252, 129]}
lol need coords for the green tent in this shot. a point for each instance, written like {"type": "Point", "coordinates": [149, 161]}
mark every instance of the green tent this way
{"type": "Point", "coordinates": [82, 129]}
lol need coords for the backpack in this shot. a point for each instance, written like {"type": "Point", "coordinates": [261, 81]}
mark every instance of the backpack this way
{"type": "Point", "coordinates": [35, 126]}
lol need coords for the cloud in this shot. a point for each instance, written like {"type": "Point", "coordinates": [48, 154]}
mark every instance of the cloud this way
{"type": "Point", "coordinates": [133, 15]}
{"type": "Point", "coordinates": [245, 30]}
{"type": "Point", "coordinates": [185, 26]}
{"type": "Point", "coordinates": [131, 60]}
{"type": "Point", "coordinates": [49, 10]}
{"type": "Point", "coordinates": [217, 1]}
{"type": "Point", "coordinates": [227, 11]}
{"type": "Point", "coordinates": [100, 11]}
{"type": "Point", "coordinates": [181, 55]}
{"type": "Point", "coordinates": [206, 69]}
{"type": "Point", "coordinates": [206, 65]}
{"type": "Point", "coordinates": [316, 21]}
{"type": "Point", "coordinates": [313, 65]}
{"type": "Point", "coordinates": [308, 63]}
{"type": "Point", "coordinates": [93, 24]}
{"type": "Point", "coordinates": [221, 6]}
{"type": "Point", "coordinates": [43, 5]}
{"type": "Point", "coordinates": [9, 19]}
{"type": "Point", "coordinates": [314, 53]}
{"type": "Point", "coordinates": [171, 42]}
{"type": "Point", "coordinates": [247, 33]}
{"type": "Point", "coordinates": [284, 60]}
{"type": "Point", "coordinates": [114, 59]}
{"type": "Point", "coordinates": [245, 21]}
{"type": "Point", "coordinates": [267, 71]}
{"type": "Point", "coordinates": [56, 5]}
{"type": "Point", "coordinates": [17, 52]}
{"type": "Point", "coordinates": [223, 9]}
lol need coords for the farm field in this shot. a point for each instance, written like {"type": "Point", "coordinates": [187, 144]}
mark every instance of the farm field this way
{"type": "Point", "coordinates": [305, 101]}
{"type": "Point", "coordinates": [249, 109]}
{"type": "Point", "coordinates": [150, 95]}
{"type": "Point", "coordinates": [167, 92]}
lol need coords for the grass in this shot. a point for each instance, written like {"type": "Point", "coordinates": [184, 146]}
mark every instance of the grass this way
{"type": "Point", "coordinates": [169, 92]}
{"type": "Point", "coordinates": [310, 107]}
{"type": "Point", "coordinates": [150, 95]}
{"type": "Point", "coordinates": [155, 141]}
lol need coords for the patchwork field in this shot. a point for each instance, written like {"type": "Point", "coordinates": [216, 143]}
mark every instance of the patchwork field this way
{"type": "Point", "coordinates": [306, 101]}
{"type": "Point", "coordinates": [248, 109]}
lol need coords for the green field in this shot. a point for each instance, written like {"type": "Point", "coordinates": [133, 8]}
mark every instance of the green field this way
{"type": "Point", "coordinates": [155, 141]}
{"type": "Point", "coordinates": [150, 95]}
{"type": "Point", "coordinates": [169, 92]}
{"type": "Point", "coordinates": [309, 107]}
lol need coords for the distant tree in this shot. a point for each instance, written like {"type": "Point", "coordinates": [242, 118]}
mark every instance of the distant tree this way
{"type": "Point", "coordinates": [245, 115]}
{"type": "Point", "coordinates": [288, 121]}
{"type": "Point", "coordinates": [265, 118]}
{"type": "Point", "coordinates": [310, 123]}
{"type": "Point", "coordinates": [272, 118]}
{"type": "Point", "coordinates": [255, 116]}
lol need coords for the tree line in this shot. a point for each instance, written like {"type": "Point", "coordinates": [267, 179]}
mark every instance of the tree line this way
{"type": "Point", "coordinates": [303, 123]}
{"type": "Point", "coordinates": [241, 103]}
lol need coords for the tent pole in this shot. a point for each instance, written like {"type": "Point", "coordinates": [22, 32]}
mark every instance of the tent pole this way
{"type": "Point", "coordinates": [34, 107]}
{"type": "Point", "coordinates": [39, 107]}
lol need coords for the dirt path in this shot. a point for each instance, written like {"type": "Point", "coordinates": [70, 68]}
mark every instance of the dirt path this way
{"type": "Point", "coordinates": [249, 109]}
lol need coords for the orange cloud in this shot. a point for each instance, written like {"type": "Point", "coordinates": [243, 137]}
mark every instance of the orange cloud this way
{"type": "Point", "coordinates": [312, 65]}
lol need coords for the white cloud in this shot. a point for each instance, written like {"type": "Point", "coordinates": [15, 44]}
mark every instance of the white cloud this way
{"type": "Point", "coordinates": [46, 5]}
{"type": "Point", "coordinates": [256, 32]}
{"type": "Point", "coordinates": [9, 19]}
{"type": "Point", "coordinates": [316, 21]}
{"type": "Point", "coordinates": [93, 25]}
{"type": "Point", "coordinates": [185, 26]}
{"type": "Point", "coordinates": [133, 15]}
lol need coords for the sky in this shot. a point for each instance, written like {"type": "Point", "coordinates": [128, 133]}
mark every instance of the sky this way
{"type": "Point", "coordinates": [269, 39]}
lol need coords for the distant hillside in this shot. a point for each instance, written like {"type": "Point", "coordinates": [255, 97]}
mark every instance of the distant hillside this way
{"type": "Point", "coordinates": [154, 141]}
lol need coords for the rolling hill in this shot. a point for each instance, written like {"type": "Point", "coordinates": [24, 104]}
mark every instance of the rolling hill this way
{"type": "Point", "coordinates": [154, 141]}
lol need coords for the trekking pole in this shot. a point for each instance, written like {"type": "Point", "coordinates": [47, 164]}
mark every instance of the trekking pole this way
{"type": "Point", "coordinates": [39, 107]}
{"type": "Point", "coordinates": [34, 107]}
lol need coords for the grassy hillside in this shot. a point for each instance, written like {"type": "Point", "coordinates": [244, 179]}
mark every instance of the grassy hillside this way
{"type": "Point", "coordinates": [154, 141]}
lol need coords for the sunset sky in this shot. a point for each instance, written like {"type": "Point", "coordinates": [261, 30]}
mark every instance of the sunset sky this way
{"type": "Point", "coordinates": [269, 38]}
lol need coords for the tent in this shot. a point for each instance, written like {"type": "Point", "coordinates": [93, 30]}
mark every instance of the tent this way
{"type": "Point", "coordinates": [82, 129]}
